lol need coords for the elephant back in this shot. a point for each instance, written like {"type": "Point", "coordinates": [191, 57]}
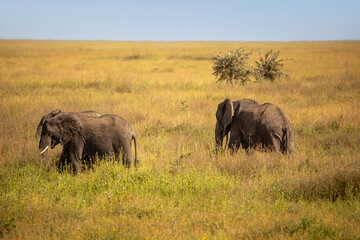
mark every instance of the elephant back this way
{"type": "Point", "coordinates": [272, 116]}
{"type": "Point", "coordinates": [279, 125]}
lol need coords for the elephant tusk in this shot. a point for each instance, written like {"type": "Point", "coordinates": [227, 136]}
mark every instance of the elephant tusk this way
{"type": "Point", "coordinates": [44, 150]}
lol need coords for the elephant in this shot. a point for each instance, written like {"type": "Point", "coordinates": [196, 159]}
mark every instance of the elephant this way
{"type": "Point", "coordinates": [44, 153]}
{"type": "Point", "coordinates": [252, 124]}
{"type": "Point", "coordinates": [89, 137]}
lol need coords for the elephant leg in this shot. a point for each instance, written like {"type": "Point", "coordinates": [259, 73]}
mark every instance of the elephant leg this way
{"type": "Point", "coordinates": [122, 154]}
{"type": "Point", "coordinates": [128, 159]}
{"type": "Point", "coordinates": [63, 160]}
{"type": "Point", "coordinates": [234, 142]}
{"type": "Point", "coordinates": [127, 156]}
{"type": "Point", "coordinates": [267, 138]}
{"type": "Point", "coordinates": [77, 168]}
{"type": "Point", "coordinates": [245, 145]}
{"type": "Point", "coordinates": [272, 142]}
{"type": "Point", "coordinates": [75, 160]}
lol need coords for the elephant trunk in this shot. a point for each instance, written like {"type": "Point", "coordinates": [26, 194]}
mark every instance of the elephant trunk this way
{"type": "Point", "coordinates": [219, 137]}
{"type": "Point", "coordinates": [44, 143]}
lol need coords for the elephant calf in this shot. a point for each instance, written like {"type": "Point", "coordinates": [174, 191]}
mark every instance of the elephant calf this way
{"type": "Point", "coordinates": [251, 124]}
{"type": "Point", "coordinates": [84, 136]}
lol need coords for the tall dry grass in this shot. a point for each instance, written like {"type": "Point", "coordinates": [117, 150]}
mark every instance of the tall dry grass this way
{"type": "Point", "coordinates": [182, 190]}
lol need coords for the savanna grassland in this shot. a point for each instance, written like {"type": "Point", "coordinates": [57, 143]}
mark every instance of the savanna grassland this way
{"type": "Point", "coordinates": [181, 190]}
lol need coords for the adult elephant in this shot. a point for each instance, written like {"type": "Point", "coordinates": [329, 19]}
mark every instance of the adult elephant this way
{"type": "Point", "coordinates": [84, 136]}
{"type": "Point", "coordinates": [251, 124]}
{"type": "Point", "coordinates": [53, 113]}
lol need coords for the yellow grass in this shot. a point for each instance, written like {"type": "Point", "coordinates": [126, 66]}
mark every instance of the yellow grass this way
{"type": "Point", "coordinates": [182, 190]}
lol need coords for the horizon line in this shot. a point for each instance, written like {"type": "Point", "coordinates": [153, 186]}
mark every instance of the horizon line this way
{"type": "Point", "coordinates": [106, 40]}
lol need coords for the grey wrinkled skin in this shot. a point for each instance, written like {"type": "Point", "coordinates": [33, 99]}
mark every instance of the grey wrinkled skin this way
{"type": "Point", "coordinates": [251, 124]}
{"type": "Point", "coordinates": [89, 137]}
{"type": "Point", "coordinates": [53, 113]}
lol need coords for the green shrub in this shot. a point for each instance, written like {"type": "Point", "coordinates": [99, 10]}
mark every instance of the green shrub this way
{"type": "Point", "coordinates": [232, 67]}
{"type": "Point", "coordinates": [269, 66]}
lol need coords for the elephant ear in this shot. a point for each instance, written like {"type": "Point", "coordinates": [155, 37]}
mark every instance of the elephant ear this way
{"type": "Point", "coordinates": [225, 112]}
{"type": "Point", "coordinates": [69, 126]}
{"type": "Point", "coordinates": [41, 123]}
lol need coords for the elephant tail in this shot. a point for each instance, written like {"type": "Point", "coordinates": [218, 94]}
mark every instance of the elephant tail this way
{"type": "Point", "coordinates": [133, 137]}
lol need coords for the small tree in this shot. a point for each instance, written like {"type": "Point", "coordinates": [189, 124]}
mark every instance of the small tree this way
{"type": "Point", "coordinates": [269, 67]}
{"type": "Point", "coordinates": [232, 67]}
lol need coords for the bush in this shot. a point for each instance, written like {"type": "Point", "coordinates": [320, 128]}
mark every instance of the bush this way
{"type": "Point", "coordinates": [269, 67]}
{"type": "Point", "coordinates": [232, 67]}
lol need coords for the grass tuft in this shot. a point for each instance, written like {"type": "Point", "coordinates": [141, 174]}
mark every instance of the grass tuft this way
{"type": "Point", "coordinates": [328, 184]}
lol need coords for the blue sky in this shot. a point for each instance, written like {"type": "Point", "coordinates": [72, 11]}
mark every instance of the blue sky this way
{"type": "Point", "coordinates": [196, 20]}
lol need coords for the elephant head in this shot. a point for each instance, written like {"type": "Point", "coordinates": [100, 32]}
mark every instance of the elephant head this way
{"type": "Point", "coordinates": [224, 115]}
{"type": "Point", "coordinates": [51, 114]}
{"type": "Point", "coordinates": [59, 129]}
{"type": "Point", "coordinates": [39, 127]}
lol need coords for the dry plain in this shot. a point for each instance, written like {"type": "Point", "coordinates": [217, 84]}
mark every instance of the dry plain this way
{"type": "Point", "coordinates": [182, 190]}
